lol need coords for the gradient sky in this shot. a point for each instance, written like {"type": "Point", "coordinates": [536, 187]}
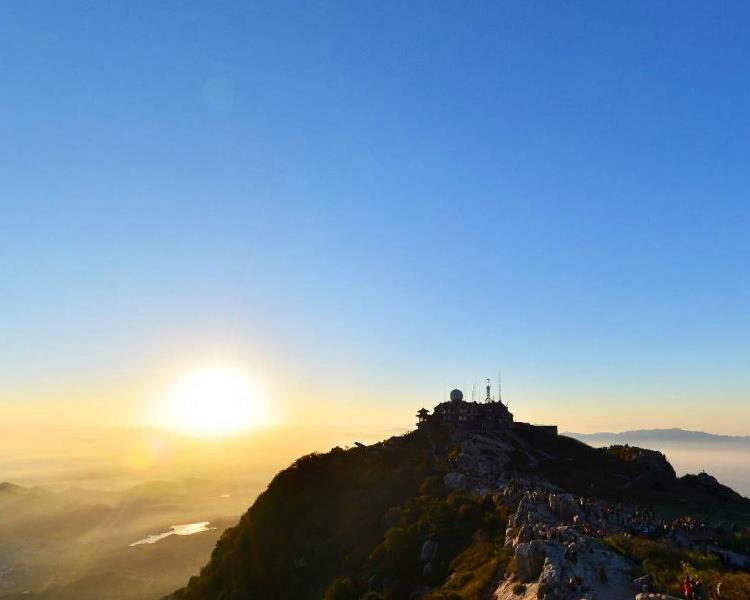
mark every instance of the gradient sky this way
{"type": "Point", "coordinates": [365, 203]}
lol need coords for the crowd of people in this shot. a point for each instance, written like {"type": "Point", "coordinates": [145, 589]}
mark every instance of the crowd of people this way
{"type": "Point", "coordinates": [595, 518]}
{"type": "Point", "coordinates": [695, 590]}
{"type": "Point", "coordinates": [602, 518]}
{"type": "Point", "coordinates": [599, 519]}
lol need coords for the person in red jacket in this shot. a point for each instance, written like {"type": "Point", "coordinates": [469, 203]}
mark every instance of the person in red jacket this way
{"type": "Point", "coordinates": [687, 588]}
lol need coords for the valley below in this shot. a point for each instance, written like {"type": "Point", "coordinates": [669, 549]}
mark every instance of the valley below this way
{"type": "Point", "coordinates": [127, 514]}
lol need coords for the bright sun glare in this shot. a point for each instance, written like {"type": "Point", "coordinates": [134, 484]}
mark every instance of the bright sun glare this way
{"type": "Point", "coordinates": [214, 402]}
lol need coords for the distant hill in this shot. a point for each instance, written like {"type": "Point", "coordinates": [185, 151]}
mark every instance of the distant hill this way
{"type": "Point", "coordinates": [61, 545]}
{"type": "Point", "coordinates": [674, 436]}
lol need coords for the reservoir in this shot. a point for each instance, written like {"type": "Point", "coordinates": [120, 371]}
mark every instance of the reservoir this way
{"type": "Point", "coordinates": [187, 529]}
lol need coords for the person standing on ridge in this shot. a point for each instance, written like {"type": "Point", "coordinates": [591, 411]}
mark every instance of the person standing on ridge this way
{"type": "Point", "coordinates": [699, 592]}
{"type": "Point", "coordinates": [687, 588]}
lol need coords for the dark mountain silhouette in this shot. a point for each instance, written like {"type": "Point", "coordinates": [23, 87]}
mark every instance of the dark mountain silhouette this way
{"type": "Point", "coordinates": [428, 515]}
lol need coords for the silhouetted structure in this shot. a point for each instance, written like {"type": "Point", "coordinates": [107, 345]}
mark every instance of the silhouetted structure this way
{"type": "Point", "coordinates": [423, 416]}
{"type": "Point", "coordinates": [487, 415]}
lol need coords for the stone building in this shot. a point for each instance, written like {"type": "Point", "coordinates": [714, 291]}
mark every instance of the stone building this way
{"type": "Point", "coordinates": [488, 415]}
{"type": "Point", "coordinates": [468, 415]}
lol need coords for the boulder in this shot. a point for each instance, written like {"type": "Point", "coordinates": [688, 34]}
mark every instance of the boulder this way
{"type": "Point", "coordinates": [551, 575]}
{"type": "Point", "coordinates": [530, 557]}
{"type": "Point", "coordinates": [510, 535]}
{"type": "Point", "coordinates": [525, 534]}
{"type": "Point", "coordinates": [524, 513]}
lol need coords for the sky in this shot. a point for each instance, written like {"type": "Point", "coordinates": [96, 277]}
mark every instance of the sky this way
{"type": "Point", "coordinates": [367, 204]}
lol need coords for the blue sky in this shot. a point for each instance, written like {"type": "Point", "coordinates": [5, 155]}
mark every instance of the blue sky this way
{"type": "Point", "coordinates": [389, 197]}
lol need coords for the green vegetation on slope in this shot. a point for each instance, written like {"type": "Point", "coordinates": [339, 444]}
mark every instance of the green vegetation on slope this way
{"type": "Point", "coordinates": [668, 565]}
{"type": "Point", "coordinates": [351, 524]}
{"type": "Point", "coordinates": [377, 523]}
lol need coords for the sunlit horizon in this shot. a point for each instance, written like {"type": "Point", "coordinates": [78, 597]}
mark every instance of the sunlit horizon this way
{"type": "Point", "coordinates": [240, 236]}
{"type": "Point", "coordinates": [213, 401]}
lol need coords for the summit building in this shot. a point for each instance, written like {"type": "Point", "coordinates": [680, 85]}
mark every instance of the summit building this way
{"type": "Point", "coordinates": [490, 415]}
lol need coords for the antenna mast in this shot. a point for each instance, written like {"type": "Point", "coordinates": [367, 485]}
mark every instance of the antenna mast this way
{"type": "Point", "coordinates": [499, 387]}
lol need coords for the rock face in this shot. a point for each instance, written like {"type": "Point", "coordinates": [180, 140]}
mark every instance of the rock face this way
{"type": "Point", "coordinates": [483, 455]}
{"type": "Point", "coordinates": [553, 560]}
{"type": "Point", "coordinates": [551, 575]}
{"type": "Point", "coordinates": [530, 559]}
{"type": "Point", "coordinates": [549, 554]}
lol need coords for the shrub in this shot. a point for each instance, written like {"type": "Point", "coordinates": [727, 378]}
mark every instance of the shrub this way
{"type": "Point", "coordinates": [668, 564]}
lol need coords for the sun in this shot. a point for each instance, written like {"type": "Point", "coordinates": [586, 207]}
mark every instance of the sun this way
{"type": "Point", "coordinates": [214, 402]}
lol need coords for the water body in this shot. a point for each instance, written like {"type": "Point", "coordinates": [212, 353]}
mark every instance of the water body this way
{"type": "Point", "coordinates": [187, 529]}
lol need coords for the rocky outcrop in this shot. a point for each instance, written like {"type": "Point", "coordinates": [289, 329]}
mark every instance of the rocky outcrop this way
{"type": "Point", "coordinates": [553, 560]}
{"type": "Point", "coordinates": [530, 559]}
{"type": "Point", "coordinates": [650, 462]}
{"type": "Point", "coordinates": [531, 510]}
{"type": "Point", "coordinates": [554, 557]}
{"type": "Point", "coordinates": [483, 455]}
{"type": "Point", "coordinates": [551, 577]}
{"type": "Point", "coordinates": [563, 506]}
{"type": "Point", "coordinates": [712, 485]}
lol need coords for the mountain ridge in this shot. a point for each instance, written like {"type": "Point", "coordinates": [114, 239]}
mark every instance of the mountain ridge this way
{"type": "Point", "coordinates": [672, 434]}
{"type": "Point", "coordinates": [440, 513]}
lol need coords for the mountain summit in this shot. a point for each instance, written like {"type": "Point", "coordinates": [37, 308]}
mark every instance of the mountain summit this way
{"type": "Point", "coordinates": [474, 505]}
